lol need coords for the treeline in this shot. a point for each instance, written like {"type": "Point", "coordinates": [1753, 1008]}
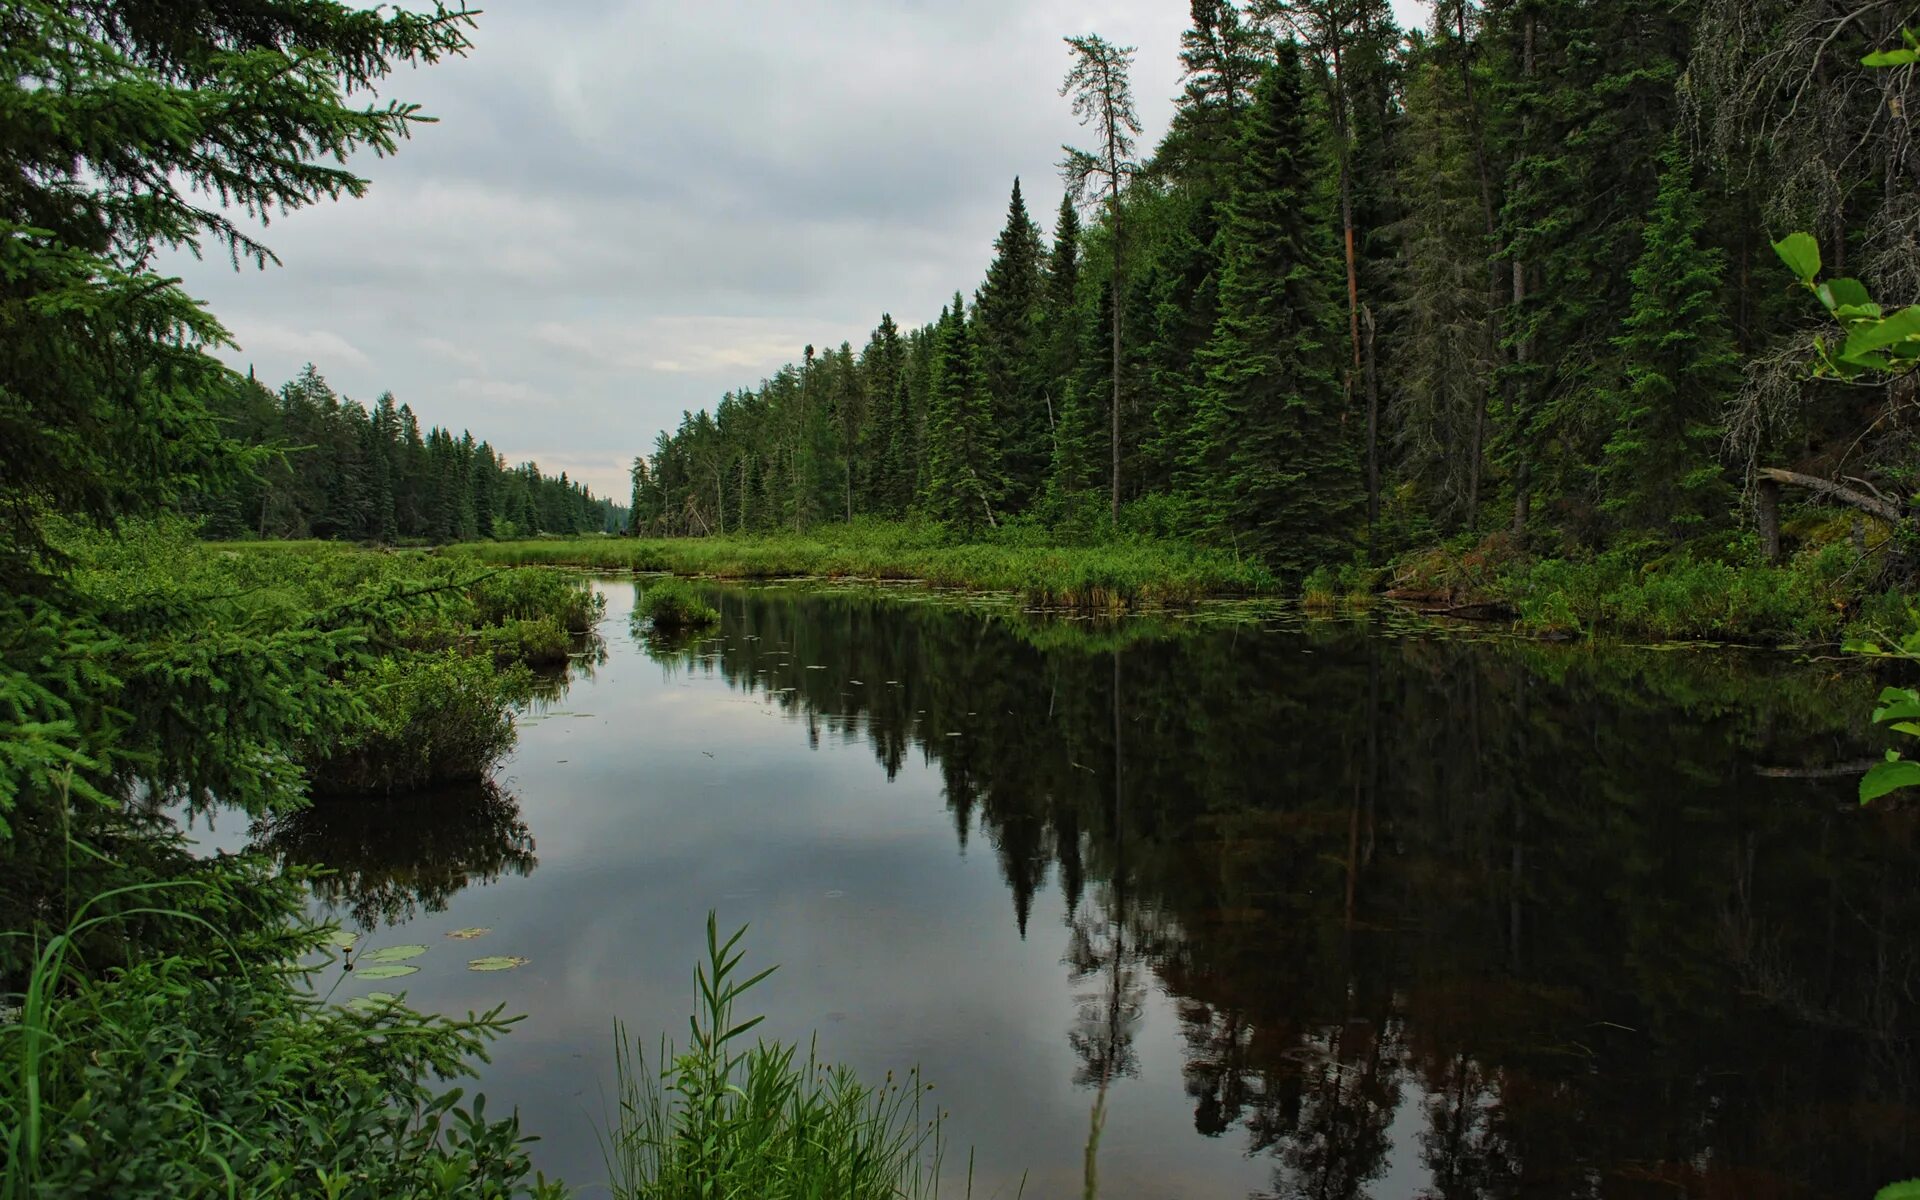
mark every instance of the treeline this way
{"type": "Point", "coordinates": [1375, 289]}
{"type": "Point", "coordinates": [344, 471]}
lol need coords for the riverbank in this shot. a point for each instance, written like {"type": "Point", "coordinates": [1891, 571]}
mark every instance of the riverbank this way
{"type": "Point", "coordinates": [1823, 595]}
{"type": "Point", "coordinates": [1102, 577]}
{"type": "Point", "coordinates": [1819, 596]}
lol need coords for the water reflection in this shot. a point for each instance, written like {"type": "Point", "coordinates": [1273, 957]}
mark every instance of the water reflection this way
{"type": "Point", "coordinates": [386, 861]}
{"type": "Point", "coordinates": [1535, 920]}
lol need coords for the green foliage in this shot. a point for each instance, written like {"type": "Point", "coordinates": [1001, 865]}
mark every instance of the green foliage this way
{"type": "Point", "coordinates": [671, 605]}
{"type": "Point", "coordinates": [1684, 597]}
{"type": "Point", "coordinates": [1009, 336]}
{"type": "Point", "coordinates": [1877, 344]}
{"type": "Point", "coordinates": [431, 719]}
{"type": "Point", "coordinates": [211, 1067]}
{"type": "Point", "coordinates": [1273, 465]}
{"type": "Point", "coordinates": [962, 485]}
{"type": "Point", "coordinates": [340, 471]}
{"type": "Point", "coordinates": [1660, 470]}
{"type": "Point", "coordinates": [723, 1119]}
{"type": "Point", "coordinates": [1021, 558]}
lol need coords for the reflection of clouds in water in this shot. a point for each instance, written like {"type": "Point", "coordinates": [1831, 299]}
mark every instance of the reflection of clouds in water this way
{"type": "Point", "coordinates": [1344, 914]}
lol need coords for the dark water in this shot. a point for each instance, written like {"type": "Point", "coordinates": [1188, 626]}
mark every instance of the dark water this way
{"type": "Point", "coordinates": [1338, 912]}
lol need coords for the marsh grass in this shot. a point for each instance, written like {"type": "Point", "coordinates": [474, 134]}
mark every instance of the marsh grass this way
{"type": "Point", "coordinates": [672, 605]}
{"type": "Point", "coordinates": [722, 1119]}
{"type": "Point", "coordinates": [1106, 576]}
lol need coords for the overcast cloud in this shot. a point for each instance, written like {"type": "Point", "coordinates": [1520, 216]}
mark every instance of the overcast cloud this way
{"type": "Point", "coordinates": [629, 207]}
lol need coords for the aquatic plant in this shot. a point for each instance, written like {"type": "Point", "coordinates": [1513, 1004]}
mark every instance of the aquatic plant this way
{"type": "Point", "coordinates": [722, 1119]}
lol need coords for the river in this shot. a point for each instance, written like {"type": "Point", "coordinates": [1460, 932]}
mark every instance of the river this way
{"type": "Point", "coordinates": [1334, 908]}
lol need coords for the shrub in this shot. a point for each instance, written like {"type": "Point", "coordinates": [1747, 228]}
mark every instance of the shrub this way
{"type": "Point", "coordinates": [209, 1067]}
{"type": "Point", "coordinates": [1319, 590]}
{"type": "Point", "coordinates": [529, 593]}
{"type": "Point", "coordinates": [672, 604]}
{"type": "Point", "coordinates": [432, 719]}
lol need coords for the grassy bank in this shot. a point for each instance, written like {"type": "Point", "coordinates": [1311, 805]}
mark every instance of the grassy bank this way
{"type": "Point", "coordinates": [1139, 573]}
{"type": "Point", "coordinates": [1823, 594]}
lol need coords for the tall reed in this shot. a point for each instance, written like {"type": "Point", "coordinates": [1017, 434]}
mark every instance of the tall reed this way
{"type": "Point", "coordinates": [724, 1120]}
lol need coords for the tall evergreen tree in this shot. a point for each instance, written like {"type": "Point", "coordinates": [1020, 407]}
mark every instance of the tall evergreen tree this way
{"type": "Point", "coordinates": [1007, 324]}
{"type": "Point", "coordinates": [883, 366]}
{"type": "Point", "coordinates": [963, 486]}
{"type": "Point", "coordinates": [1661, 472]}
{"type": "Point", "coordinates": [1103, 97]}
{"type": "Point", "coordinates": [1273, 466]}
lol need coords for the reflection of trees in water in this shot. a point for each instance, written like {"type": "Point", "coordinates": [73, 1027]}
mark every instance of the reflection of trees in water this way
{"type": "Point", "coordinates": [391, 859]}
{"type": "Point", "coordinates": [1540, 902]}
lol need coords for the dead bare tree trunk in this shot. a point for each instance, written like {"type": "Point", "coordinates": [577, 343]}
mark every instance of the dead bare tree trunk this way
{"type": "Point", "coordinates": [1767, 516]}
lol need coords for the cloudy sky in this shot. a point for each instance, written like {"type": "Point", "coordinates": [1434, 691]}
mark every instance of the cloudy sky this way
{"type": "Point", "coordinates": [630, 206]}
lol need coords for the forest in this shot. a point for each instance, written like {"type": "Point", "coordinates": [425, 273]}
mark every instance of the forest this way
{"type": "Point", "coordinates": [331, 468]}
{"type": "Point", "coordinates": [1498, 289]}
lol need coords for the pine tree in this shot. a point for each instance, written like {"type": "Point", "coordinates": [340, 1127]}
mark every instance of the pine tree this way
{"type": "Point", "coordinates": [1443, 304]}
{"type": "Point", "coordinates": [1060, 320]}
{"type": "Point", "coordinates": [1661, 470]}
{"type": "Point", "coordinates": [1080, 438]}
{"type": "Point", "coordinates": [963, 485]}
{"type": "Point", "coordinates": [1220, 61]}
{"type": "Point", "coordinates": [1007, 326]}
{"type": "Point", "coordinates": [1273, 467]}
{"type": "Point", "coordinates": [1103, 97]}
{"type": "Point", "coordinates": [882, 364]}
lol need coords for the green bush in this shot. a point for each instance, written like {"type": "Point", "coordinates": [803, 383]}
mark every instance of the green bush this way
{"type": "Point", "coordinates": [209, 1067]}
{"type": "Point", "coordinates": [432, 719]}
{"type": "Point", "coordinates": [672, 605]}
{"type": "Point", "coordinates": [535, 593]}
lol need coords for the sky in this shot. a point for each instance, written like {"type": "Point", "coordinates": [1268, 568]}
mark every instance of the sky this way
{"type": "Point", "coordinates": [629, 207]}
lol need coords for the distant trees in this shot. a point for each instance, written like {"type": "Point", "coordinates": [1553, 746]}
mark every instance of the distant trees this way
{"type": "Point", "coordinates": [333, 469]}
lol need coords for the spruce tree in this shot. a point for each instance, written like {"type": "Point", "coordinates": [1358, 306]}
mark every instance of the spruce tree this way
{"type": "Point", "coordinates": [1060, 319]}
{"type": "Point", "coordinates": [1273, 467]}
{"type": "Point", "coordinates": [882, 364]}
{"type": "Point", "coordinates": [1660, 470]}
{"type": "Point", "coordinates": [1080, 437]}
{"type": "Point", "coordinates": [1007, 324]}
{"type": "Point", "coordinates": [963, 486]}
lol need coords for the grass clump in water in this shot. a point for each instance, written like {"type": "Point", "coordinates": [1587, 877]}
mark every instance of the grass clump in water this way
{"type": "Point", "coordinates": [672, 604]}
{"type": "Point", "coordinates": [720, 1119]}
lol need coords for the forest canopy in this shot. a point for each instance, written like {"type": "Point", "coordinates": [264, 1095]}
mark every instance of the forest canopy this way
{"type": "Point", "coordinates": [1501, 282]}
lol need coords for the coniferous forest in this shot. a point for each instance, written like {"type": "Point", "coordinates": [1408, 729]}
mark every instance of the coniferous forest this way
{"type": "Point", "coordinates": [1502, 283]}
{"type": "Point", "coordinates": [343, 472]}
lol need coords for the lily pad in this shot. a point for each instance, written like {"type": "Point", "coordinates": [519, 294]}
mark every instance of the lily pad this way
{"type": "Point", "coordinates": [372, 1001]}
{"type": "Point", "coordinates": [394, 954]}
{"type": "Point", "coordinates": [467, 935]}
{"type": "Point", "coordinates": [497, 962]}
{"type": "Point", "coordinates": [387, 971]}
{"type": "Point", "coordinates": [340, 939]}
